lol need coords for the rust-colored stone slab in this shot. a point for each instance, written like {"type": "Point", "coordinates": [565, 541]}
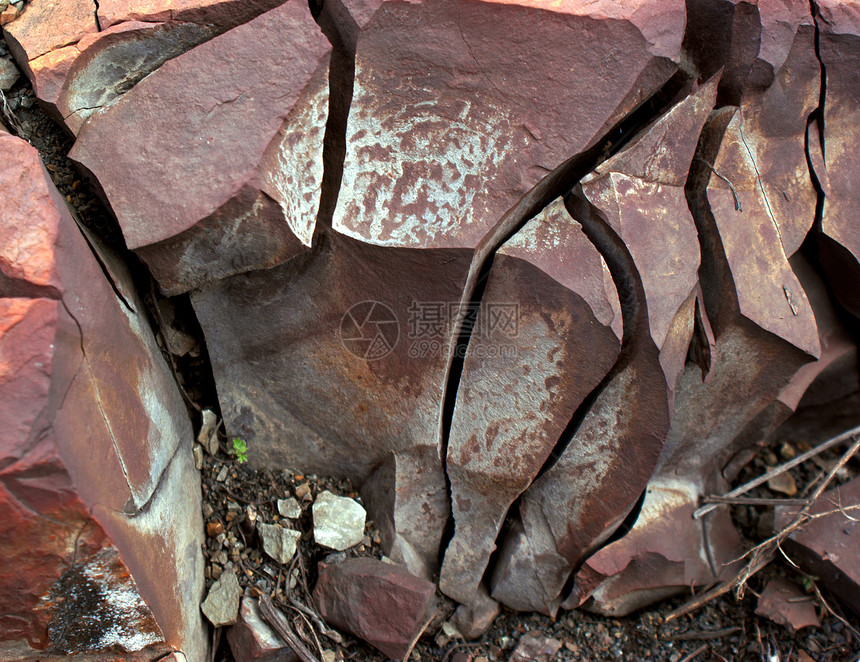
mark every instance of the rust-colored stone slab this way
{"type": "Point", "coordinates": [378, 602]}
{"type": "Point", "coordinates": [633, 207]}
{"type": "Point", "coordinates": [827, 547]}
{"type": "Point", "coordinates": [639, 568]}
{"type": "Point", "coordinates": [223, 145]}
{"type": "Point", "coordinates": [224, 14]}
{"type": "Point", "coordinates": [839, 241]}
{"type": "Point", "coordinates": [78, 62]}
{"type": "Point", "coordinates": [785, 603]}
{"type": "Point", "coordinates": [548, 331]}
{"type": "Point", "coordinates": [47, 25]}
{"type": "Point", "coordinates": [661, 556]}
{"type": "Point", "coordinates": [453, 120]}
{"type": "Point", "coordinates": [104, 438]}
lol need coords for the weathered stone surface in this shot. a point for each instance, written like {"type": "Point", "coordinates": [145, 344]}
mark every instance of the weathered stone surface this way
{"type": "Point", "coordinates": [547, 332]}
{"type": "Point", "coordinates": [786, 604]}
{"type": "Point", "coordinates": [221, 605]}
{"type": "Point", "coordinates": [652, 251]}
{"type": "Point", "coordinates": [472, 620]}
{"type": "Point", "coordinates": [79, 62]}
{"type": "Point", "coordinates": [9, 74]}
{"type": "Point", "coordinates": [473, 125]}
{"type": "Point", "coordinates": [534, 647]}
{"type": "Point", "coordinates": [379, 602]}
{"type": "Point", "coordinates": [252, 640]}
{"type": "Point", "coordinates": [435, 158]}
{"type": "Point", "coordinates": [770, 70]}
{"type": "Point", "coordinates": [661, 556]}
{"type": "Point", "coordinates": [289, 508]}
{"type": "Point", "coordinates": [827, 547]}
{"type": "Point", "coordinates": [839, 25]}
{"type": "Point", "coordinates": [99, 438]}
{"type": "Point", "coordinates": [338, 521]}
{"type": "Point", "coordinates": [222, 142]}
{"type": "Point", "coordinates": [641, 567]}
{"type": "Point", "coordinates": [278, 542]}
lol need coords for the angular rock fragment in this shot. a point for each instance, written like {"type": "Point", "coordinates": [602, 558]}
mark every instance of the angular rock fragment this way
{"type": "Point", "coordinates": [534, 647]}
{"type": "Point", "coordinates": [278, 542]}
{"type": "Point", "coordinates": [221, 605]}
{"type": "Point", "coordinates": [547, 332]}
{"type": "Point", "coordinates": [770, 70]}
{"type": "Point", "coordinates": [224, 146]}
{"type": "Point", "coordinates": [252, 640]}
{"type": "Point", "coordinates": [764, 332]}
{"type": "Point", "coordinates": [289, 508]}
{"type": "Point", "coordinates": [97, 439]}
{"type": "Point", "coordinates": [80, 59]}
{"type": "Point", "coordinates": [338, 521]}
{"type": "Point", "coordinates": [633, 208]}
{"type": "Point", "coordinates": [839, 241]}
{"type": "Point", "coordinates": [826, 547]}
{"type": "Point", "coordinates": [451, 123]}
{"type": "Point", "coordinates": [379, 602]}
{"type": "Point", "coordinates": [786, 604]}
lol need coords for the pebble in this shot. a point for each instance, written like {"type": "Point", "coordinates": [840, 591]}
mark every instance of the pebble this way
{"type": "Point", "coordinates": [222, 475]}
{"type": "Point", "coordinates": [9, 74]}
{"type": "Point", "coordinates": [221, 605]}
{"type": "Point", "coordinates": [214, 528]}
{"type": "Point", "coordinates": [278, 542]}
{"type": "Point", "coordinates": [338, 521]}
{"type": "Point", "coordinates": [289, 508]}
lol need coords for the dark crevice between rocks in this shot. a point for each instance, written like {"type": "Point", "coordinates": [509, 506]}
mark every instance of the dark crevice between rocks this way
{"type": "Point", "coordinates": [341, 30]}
{"type": "Point", "coordinates": [558, 183]}
{"type": "Point", "coordinates": [839, 260]}
{"type": "Point", "coordinates": [96, 16]}
{"type": "Point", "coordinates": [101, 231]}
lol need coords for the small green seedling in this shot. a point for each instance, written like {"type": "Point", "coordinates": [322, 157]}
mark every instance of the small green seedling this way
{"type": "Point", "coordinates": [240, 449]}
{"type": "Point", "coordinates": [808, 582]}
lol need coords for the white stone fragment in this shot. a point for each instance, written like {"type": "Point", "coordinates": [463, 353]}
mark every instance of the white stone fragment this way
{"type": "Point", "coordinates": [278, 542]}
{"type": "Point", "coordinates": [338, 521]}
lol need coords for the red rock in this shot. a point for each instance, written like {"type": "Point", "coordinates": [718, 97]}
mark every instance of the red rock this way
{"type": "Point", "coordinates": [474, 124]}
{"type": "Point", "coordinates": [534, 647]}
{"type": "Point", "coordinates": [252, 640]}
{"type": "Point", "coordinates": [839, 26]}
{"type": "Point", "coordinates": [222, 141]}
{"type": "Point", "coordinates": [786, 604]}
{"type": "Point", "coordinates": [379, 602]}
{"type": "Point", "coordinates": [579, 501]}
{"type": "Point", "coordinates": [548, 331]}
{"type": "Point", "coordinates": [395, 242]}
{"type": "Point", "coordinates": [94, 416]}
{"type": "Point", "coordinates": [47, 25]}
{"type": "Point", "coordinates": [827, 547]}
{"type": "Point", "coordinates": [79, 63]}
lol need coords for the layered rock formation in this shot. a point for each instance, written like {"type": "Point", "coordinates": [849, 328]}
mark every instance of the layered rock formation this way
{"type": "Point", "coordinates": [96, 448]}
{"type": "Point", "coordinates": [537, 278]}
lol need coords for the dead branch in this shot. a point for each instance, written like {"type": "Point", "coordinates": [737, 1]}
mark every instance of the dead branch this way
{"type": "Point", "coordinates": [279, 624]}
{"type": "Point", "coordinates": [782, 468]}
{"type": "Point", "coordinates": [763, 553]}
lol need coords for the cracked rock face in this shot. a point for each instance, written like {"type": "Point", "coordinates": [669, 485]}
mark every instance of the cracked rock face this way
{"type": "Point", "coordinates": [506, 265]}
{"type": "Point", "coordinates": [97, 439]}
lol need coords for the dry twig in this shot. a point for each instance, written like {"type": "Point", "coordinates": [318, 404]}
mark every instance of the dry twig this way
{"type": "Point", "coordinates": [782, 468]}
{"type": "Point", "coordinates": [279, 624]}
{"type": "Point", "coordinates": [763, 553]}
